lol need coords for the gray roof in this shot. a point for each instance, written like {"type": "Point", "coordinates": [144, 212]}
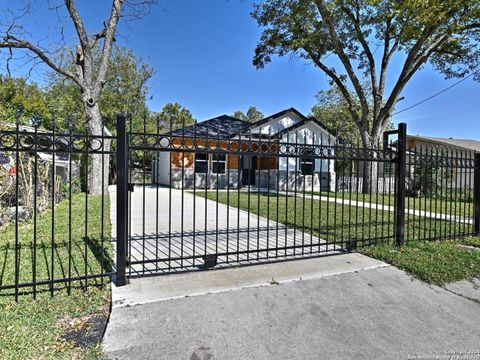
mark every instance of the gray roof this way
{"type": "Point", "coordinates": [221, 127]}
{"type": "Point", "coordinates": [226, 127]}
{"type": "Point", "coordinates": [461, 143]}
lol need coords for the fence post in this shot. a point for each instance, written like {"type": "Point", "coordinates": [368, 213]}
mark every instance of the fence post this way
{"type": "Point", "coordinates": [122, 198]}
{"type": "Point", "coordinates": [400, 184]}
{"type": "Point", "coordinates": [476, 196]}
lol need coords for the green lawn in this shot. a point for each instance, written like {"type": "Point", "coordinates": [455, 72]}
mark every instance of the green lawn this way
{"type": "Point", "coordinates": [471, 241]}
{"type": "Point", "coordinates": [437, 262]}
{"type": "Point", "coordinates": [89, 251]}
{"type": "Point", "coordinates": [443, 206]}
{"type": "Point", "coordinates": [336, 222]}
{"type": "Point", "coordinates": [33, 328]}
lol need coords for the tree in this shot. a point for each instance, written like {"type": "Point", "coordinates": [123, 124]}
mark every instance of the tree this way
{"type": "Point", "coordinates": [332, 109]}
{"type": "Point", "coordinates": [252, 115]}
{"type": "Point", "coordinates": [125, 91]}
{"type": "Point", "coordinates": [90, 79]}
{"type": "Point", "coordinates": [174, 116]}
{"type": "Point", "coordinates": [15, 94]}
{"type": "Point", "coordinates": [364, 36]}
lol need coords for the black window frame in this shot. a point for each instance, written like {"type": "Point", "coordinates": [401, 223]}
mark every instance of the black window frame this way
{"type": "Point", "coordinates": [204, 163]}
{"type": "Point", "coordinates": [307, 162]}
{"type": "Point", "coordinates": [216, 163]}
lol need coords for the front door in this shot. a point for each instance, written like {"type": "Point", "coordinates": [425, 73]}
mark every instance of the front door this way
{"type": "Point", "coordinates": [249, 164]}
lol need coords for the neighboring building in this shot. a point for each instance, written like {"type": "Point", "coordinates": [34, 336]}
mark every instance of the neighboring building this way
{"type": "Point", "coordinates": [454, 151]}
{"type": "Point", "coordinates": [417, 142]}
{"type": "Point", "coordinates": [62, 159]}
{"type": "Point", "coordinates": [276, 172]}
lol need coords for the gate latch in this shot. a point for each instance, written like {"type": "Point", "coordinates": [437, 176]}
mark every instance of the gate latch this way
{"type": "Point", "coordinates": [386, 135]}
{"type": "Point", "coordinates": [131, 187]}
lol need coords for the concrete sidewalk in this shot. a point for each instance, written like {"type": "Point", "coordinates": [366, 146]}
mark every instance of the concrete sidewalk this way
{"type": "Point", "coordinates": [374, 313]}
{"type": "Point", "coordinates": [384, 207]}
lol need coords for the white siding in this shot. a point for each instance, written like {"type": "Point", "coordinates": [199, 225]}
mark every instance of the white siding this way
{"type": "Point", "coordinates": [312, 134]}
{"type": "Point", "coordinates": [163, 168]}
{"type": "Point", "coordinates": [278, 124]}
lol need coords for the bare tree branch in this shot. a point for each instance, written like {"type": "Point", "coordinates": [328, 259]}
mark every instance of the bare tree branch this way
{"type": "Point", "coordinates": [411, 66]}
{"type": "Point", "coordinates": [344, 59]}
{"type": "Point", "coordinates": [107, 46]}
{"type": "Point", "coordinates": [10, 42]}
{"type": "Point", "coordinates": [366, 49]}
{"type": "Point", "coordinates": [338, 82]}
{"type": "Point", "coordinates": [78, 23]}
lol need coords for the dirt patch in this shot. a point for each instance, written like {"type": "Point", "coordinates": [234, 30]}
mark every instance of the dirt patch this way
{"type": "Point", "coordinates": [84, 331]}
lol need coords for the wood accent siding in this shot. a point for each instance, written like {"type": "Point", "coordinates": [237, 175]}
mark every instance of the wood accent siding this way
{"type": "Point", "coordinates": [177, 158]}
{"type": "Point", "coordinates": [188, 159]}
{"type": "Point", "coordinates": [233, 162]}
{"type": "Point", "coordinates": [267, 163]}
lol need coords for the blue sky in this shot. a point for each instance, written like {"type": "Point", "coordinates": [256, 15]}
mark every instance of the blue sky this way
{"type": "Point", "coordinates": [202, 53]}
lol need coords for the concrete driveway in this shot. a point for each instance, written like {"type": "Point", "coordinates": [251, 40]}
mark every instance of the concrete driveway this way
{"type": "Point", "coordinates": [170, 223]}
{"type": "Point", "coordinates": [364, 310]}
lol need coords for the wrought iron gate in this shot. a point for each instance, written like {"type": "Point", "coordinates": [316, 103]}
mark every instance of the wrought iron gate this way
{"type": "Point", "coordinates": [189, 205]}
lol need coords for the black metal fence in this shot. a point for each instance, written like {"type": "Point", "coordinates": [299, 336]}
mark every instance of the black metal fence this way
{"type": "Point", "coordinates": [215, 194]}
{"type": "Point", "coordinates": [54, 232]}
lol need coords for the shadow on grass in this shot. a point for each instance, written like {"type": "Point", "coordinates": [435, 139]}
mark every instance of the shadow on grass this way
{"type": "Point", "coordinates": [101, 253]}
{"type": "Point", "coordinates": [55, 266]}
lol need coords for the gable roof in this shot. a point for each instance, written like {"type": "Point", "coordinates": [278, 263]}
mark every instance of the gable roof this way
{"type": "Point", "coordinates": [304, 120]}
{"type": "Point", "coordinates": [226, 127]}
{"type": "Point", "coordinates": [468, 144]}
{"type": "Point", "coordinates": [300, 124]}
{"type": "Point", "coordinates": [276, 115]}
{"type": "Point", "coordinates": [220, 127]}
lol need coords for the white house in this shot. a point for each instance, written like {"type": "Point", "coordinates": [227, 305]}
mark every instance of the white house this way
{"type": "Point", "coordinates": [279, 140]}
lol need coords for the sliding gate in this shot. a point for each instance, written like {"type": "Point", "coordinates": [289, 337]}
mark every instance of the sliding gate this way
{"type": "Point", "coordinates": [201, 196]}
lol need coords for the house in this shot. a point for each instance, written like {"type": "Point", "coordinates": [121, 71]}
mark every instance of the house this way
{"type": "Point", "coordinates": [454, 151]}
{"type": "Point", "coordinates": [266, 136]}
{"type": "Point", "coordinates": [62, 159]}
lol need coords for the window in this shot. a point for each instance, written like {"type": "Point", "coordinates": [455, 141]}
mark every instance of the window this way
{"type": "Point", "coordinates": [201, 163]}
{"type": "Point", "coordinates": [307, 164]}
{"type": "Point", "coordinates": [387, 169]}
{"type": "Point", "coordinates": [219, 162]}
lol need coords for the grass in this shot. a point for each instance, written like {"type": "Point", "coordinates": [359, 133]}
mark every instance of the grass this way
{"type": "Point", "coordinates": [35, 328]}
{"type": "Point", "coordinates": [437, 262]}
{"type": "Point", "coordinates": [471, 241]}
{"type": "Point", "coordinates": [336, 222]}
{"type": "Point", "coordinates": [79, 253]}
{"type": "Point", "coordinates": [458, 208]}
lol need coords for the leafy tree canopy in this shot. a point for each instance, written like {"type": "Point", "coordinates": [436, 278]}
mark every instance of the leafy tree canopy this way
{"type": "Point", "coordinates": [175, 116]}
{"type": "Point", "coordinates": [252, 114]}
{"type": "Point", "coordinates": [125, 92]}
{"type": "Point", "coordinates": [16, 94]}
{"type": "Point", "coordinates": [332, 109]}
{"type": "Point", "coordinates": [364, 36]}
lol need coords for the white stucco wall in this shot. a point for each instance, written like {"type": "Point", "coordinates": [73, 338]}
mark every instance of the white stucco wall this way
{"type": "Point", "coordinates": [311, 134]}
{"type": "Point", "coordinates": [278, 124]}
{"type": "Point", "coordinates": [163, 168]}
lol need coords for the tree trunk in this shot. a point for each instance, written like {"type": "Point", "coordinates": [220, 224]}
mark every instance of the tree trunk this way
{"type": "Point", "coordinates": [370, 168]}
{"type": "Point", "coordinates": [95, 178]}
